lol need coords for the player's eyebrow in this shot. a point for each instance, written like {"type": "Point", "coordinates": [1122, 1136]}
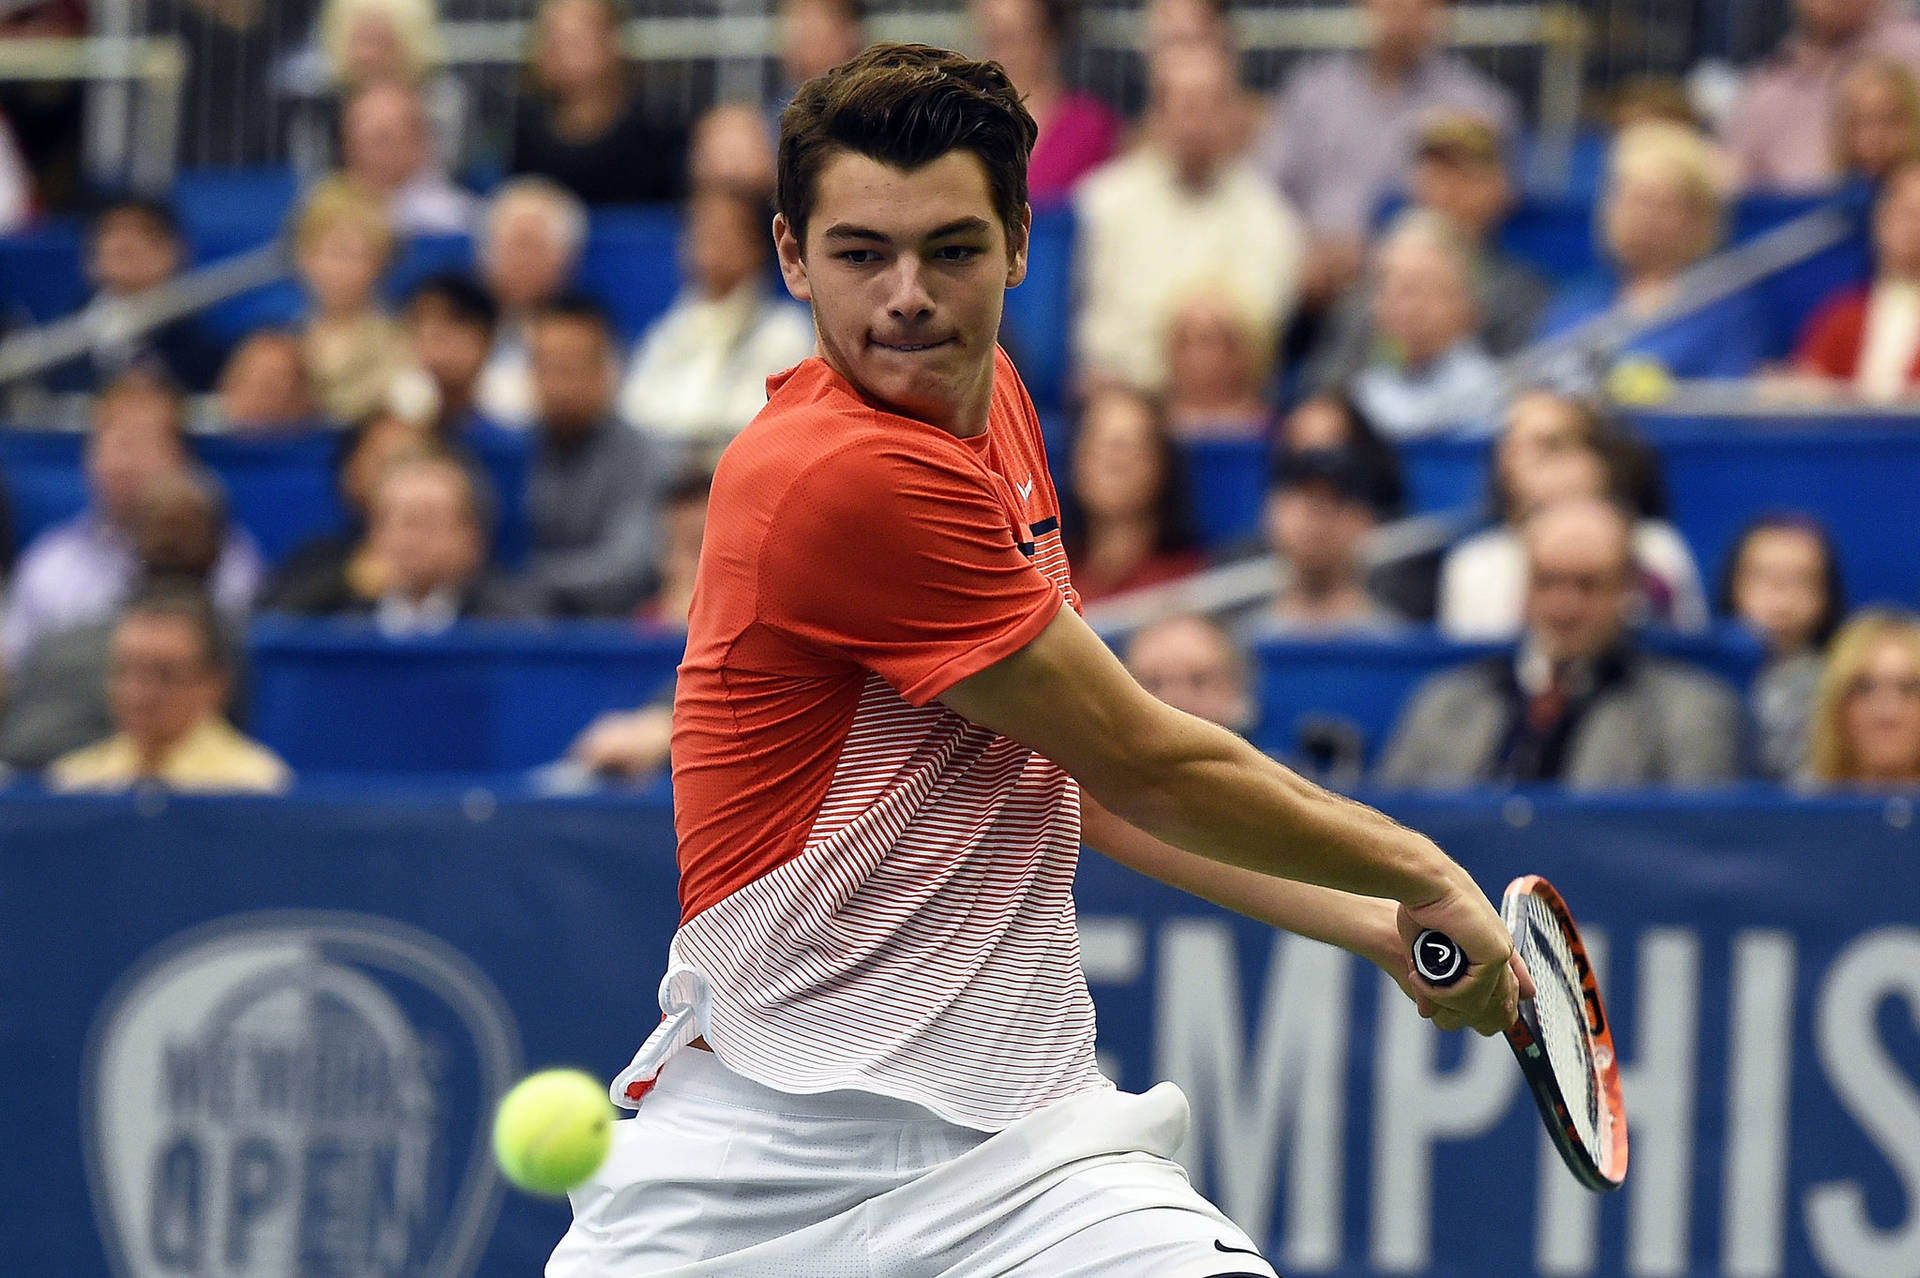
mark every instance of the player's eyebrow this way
{"type": "Point", "coordinates": [959, 226]}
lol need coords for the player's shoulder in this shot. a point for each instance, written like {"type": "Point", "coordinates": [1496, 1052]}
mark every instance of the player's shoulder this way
{"type": "Point", "coordinates": [817, 444]}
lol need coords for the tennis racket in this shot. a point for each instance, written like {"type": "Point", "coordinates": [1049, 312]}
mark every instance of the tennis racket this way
{"type": "Point", "coordinates": [1560, 1036]}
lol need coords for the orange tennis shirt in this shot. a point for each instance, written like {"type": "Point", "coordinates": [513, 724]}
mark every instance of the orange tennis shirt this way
{"type": "Point", "coordinates": [876, 891]}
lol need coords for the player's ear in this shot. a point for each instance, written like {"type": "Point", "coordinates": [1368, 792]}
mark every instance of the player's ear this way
{"type": "Point", "coordinates": [1017, 248]}
{"type": "Point", "coordinates": [793, 263]}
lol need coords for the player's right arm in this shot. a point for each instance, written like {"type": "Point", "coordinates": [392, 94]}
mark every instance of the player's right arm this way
{"type": "Point", "coordinates": [1201, 789]}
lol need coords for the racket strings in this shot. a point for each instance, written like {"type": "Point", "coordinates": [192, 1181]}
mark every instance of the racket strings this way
{"type": "Point", "coordinates": [1559, 1006]}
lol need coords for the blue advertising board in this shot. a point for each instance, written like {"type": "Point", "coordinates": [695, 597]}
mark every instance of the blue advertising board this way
{"type": "Point", "coordinates": [261, 1036]}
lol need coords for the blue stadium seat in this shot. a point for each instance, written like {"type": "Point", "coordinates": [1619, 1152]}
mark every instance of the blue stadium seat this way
{"type": "Point", "coordinates": [1361, 685]}
{"type": "Point", "coordinates": [484, 697]}
{"type": "Point", "coordinates": [1038, 326]}
{"type": "Point", "coordinates": [225, 210]}
{"type": "Point", "coordinates": [1228, 479]}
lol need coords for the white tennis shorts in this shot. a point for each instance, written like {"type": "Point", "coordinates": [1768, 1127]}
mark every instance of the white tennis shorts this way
{"type": "Point", "coordinates": [720, 1177]}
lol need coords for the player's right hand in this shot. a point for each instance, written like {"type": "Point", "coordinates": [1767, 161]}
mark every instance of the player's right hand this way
{"type": "Point", "coordinates": [1486, 1000]}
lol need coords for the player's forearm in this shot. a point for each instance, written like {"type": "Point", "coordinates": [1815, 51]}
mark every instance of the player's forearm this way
{"type": "Point", "coordinates": [1363, 924]}
{"type": "Point", "coordinates": [1208, 792]}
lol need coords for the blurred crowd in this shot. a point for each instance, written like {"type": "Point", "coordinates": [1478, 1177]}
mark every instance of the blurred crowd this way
{"type": "Point", "coordinates": [1320, 271]}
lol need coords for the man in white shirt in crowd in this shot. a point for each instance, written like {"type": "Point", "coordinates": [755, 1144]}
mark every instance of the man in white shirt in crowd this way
{"type": "Point", "coordinates": [1340, 138]}
{"type": "Point", "coordinates": [700, 371]}
{"type": "Point", "coordinates": [1179, 213]}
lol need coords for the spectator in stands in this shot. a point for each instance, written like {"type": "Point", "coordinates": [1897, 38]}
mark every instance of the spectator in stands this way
{"type": "Point", "coordinates": [428, 530]}
{"type": "Point", "coordinates": [633, 743]}
{"type": "Point", "coordinates": [1171, 26]}
{"type": "Point", "coordinates": [815, 36]}
{"type": "Point", "coordinates": [1428, 373]}
{"type": "Point", "coordinates": [629, 744]}
{"type": "Point", "coordinates": [264, 388]}
{"type": "Point", "coordinates": [1405, 575]}
{"type": "Point", "coordinates": [1783, 582]}
{"type": "Point", "coordinates": [340, 571]}
{"type": "Point", "coordinates": [529, 250]}
{"type": "Point", "coordinates": [1866, 717]}
{"type": "Point", "coordinates": [699, 372]}
{"type": "Point", "coordinates": [451, 324]}
{"type": "Point", "coordinates": [585, 126]}
{"type": "Point", "coordinates": [1341, 136]}
{"type": "Point", "coordinates": [1645, 99]}
{"type": "Point", "coordinates": [1578, 702]}
{"type": "Point", "coordinates": [683, 526]}
{"type": "Point", "coordinates": [361, 42]}
{"type": "Point", "coordinates": [1218, 366]}
{"type": "Point", "coordinates": [1320, 509]}
{"type": "Point", "coordinates": [1178, 214]}
{"type": "Point", "coordinates": [1192, 664]}
{"type": "Point", "coordinates": [1779, 132]}
{"type": "Point", "coordinates": [1556, 447]}
{"type": "Point", "coordinates": [1876, 124]}
{"type": "Point", "coordinates": [79, 571]}
{"type": "Point", "coordinates": [354, 350]}
{"type": "Point", "coordinates": [1127, 512]}
{"type": "Point", "coordinates": [1078, 132]}
{"type": "Point", "coordinates": [731, 151]}
{"type": "Point", "coordinates": [593, 484]}
{"type": "Point", "coordinates": [1332, 420]}
{"type": "Point", "coordinates": [1460, 174]}
{"type": "Point", "coordinates": [1864, 341]}
{"type": "Point", "coordinates": [1662, 213]}
{"type": "Point", "coordinates": [386, 147]}
{"type": "Point", "coordinates": [168, 682]}
{"type": "Point", "coordinates": [58, 702]}
{"type": "Point", "coordinates": [135, 247]}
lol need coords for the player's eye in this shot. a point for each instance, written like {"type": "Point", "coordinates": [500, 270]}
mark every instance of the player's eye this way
{"type": "Point", "coordinates": [858, 257]}
{"type": "Point", "coordinates": [957, 253]}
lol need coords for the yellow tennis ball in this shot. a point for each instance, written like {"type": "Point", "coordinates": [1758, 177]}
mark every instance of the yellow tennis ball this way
{"type": "Point", "coordinates": [552, 1130]}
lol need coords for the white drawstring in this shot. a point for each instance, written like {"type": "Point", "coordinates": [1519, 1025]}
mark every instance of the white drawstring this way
{"type": "Point", "coordinates": [683, 999]}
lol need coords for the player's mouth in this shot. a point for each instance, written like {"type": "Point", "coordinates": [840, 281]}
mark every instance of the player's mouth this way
{"type": "Point", "coordinates": [910, 348]}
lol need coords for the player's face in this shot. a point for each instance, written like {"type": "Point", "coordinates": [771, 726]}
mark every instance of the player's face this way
{"type": "Point", "coordinates": [907, 271]}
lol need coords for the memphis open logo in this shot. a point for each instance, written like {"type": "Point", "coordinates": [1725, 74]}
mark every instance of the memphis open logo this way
{"type": "Point", "coordinates": [297, 1093]}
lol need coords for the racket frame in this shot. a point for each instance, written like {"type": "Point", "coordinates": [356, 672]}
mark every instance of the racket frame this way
{"type": "Point", "coordinates": [1599, 1170]}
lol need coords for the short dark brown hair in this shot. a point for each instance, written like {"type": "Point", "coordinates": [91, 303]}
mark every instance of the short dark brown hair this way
{"type": "Point", "coordinates": [906, 105]}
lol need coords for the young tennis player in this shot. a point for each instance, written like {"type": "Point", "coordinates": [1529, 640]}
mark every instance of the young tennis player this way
{"type": "Point", "coordinates": [892, 734]}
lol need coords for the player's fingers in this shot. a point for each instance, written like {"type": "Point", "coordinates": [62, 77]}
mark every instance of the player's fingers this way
{"type": "Point", "coordinates": [1523, 976]}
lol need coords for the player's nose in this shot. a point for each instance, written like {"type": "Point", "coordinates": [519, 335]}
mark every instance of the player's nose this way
{"type": "Point", "coordinates": [907, 296]}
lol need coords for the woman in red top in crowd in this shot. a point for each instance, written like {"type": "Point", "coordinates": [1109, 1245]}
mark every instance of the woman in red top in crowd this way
{"type": "Point", "coordinates": [1866, 338]}
{"type": "Point", "coordinates": [1128, 511]}
{"type": "Point", "coordinates": [1078, 132]}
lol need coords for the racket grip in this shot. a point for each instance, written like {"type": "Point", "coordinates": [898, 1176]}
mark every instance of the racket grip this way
{"type": "Point", "coordinates": [1437, 959]}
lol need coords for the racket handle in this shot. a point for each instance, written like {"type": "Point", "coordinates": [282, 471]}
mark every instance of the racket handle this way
{"type": "Point", "coordinates": [1437, 959]}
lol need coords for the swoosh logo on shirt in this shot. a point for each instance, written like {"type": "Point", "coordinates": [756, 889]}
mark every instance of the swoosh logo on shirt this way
{"type": "Point", "coordinates": [1244, 1251]}
{"type": "Point", "coordinates": [1026, 489]}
